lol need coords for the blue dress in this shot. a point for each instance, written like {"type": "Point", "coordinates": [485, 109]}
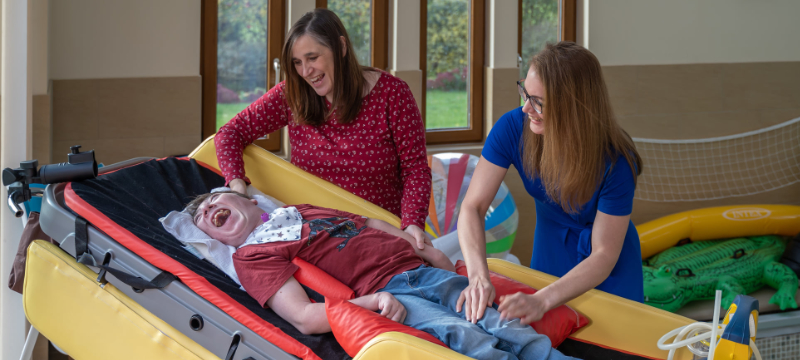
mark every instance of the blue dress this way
{"type": "Point", "coordinates": [562, 240]}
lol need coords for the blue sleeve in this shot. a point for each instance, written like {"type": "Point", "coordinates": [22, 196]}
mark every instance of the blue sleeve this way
{"type": "Point", "coordinates": [616, 194]}
{"type": "Point", "coordinates": [502, 144]}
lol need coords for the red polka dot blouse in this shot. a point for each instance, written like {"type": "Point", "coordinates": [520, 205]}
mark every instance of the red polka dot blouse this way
{"type": "Point", "coordinates": [380, 156]}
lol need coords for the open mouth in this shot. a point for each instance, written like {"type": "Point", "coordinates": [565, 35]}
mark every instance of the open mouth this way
{"type": "Point", "coordinates": [316, 80]}
{"type": "Point", "coordinates": [220, 217]}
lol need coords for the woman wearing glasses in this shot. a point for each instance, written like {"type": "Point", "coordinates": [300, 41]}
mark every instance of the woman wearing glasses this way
{"type": "Point", "coordinates": [354, 126]}
{"type": "Point", "coordinates": [581, 169]}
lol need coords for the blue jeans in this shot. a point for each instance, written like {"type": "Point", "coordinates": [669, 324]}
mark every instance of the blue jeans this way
{"type": "Point", "coordinates": [429, 296]}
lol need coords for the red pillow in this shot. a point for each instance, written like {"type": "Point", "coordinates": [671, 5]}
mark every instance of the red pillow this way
{"type": "Point", "coordinates": [353, 326]}
{"type": "Point", "coordinates": [556, 324]}
{"type": "Point", "coordinates": [320, 281]}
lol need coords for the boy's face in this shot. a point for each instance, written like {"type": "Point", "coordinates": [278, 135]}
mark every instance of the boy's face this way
{"type": "Point", "coordinates": [228, 218]}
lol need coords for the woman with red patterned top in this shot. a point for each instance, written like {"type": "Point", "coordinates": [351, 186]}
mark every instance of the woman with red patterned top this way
{"type": "Point", "coordinates": [354, 126]}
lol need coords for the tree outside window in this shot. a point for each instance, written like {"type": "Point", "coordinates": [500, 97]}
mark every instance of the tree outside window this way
{"type": "Point", "coordinates": [446, 94]}
{"type": "Point", "coordinates": [356, 17]}
{"type": "Point", "coordinates": [241, 55]}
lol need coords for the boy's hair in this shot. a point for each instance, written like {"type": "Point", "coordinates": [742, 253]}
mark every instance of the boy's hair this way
{"type": "Point", "coordinates": [193, 205]}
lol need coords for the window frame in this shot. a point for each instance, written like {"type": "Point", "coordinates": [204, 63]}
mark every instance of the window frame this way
{"type": "Point", "coordinates": [475, 89]}
{"type": "Point", "coordinates": [276, 30]}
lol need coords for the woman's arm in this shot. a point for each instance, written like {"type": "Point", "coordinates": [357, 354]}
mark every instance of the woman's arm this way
{"type": "Point", "coordinates": [265, 115]}
{"type": "Point", "coordinates": [608, 236]}
{"type": "Point", "coordinates": [471, 236]}
{"type": "Point", "coordinates": [408, 134]}
{"type": "Point", "coordinates": [292, 304]}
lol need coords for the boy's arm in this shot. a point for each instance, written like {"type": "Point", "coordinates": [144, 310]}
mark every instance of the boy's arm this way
{"type": "Point", "coordinates": [293, 305]}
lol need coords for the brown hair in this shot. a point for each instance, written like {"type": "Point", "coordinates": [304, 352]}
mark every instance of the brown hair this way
{"type": "Point", "coordinates": [348, 79]}
{"type": "Point", "coordinates": [580, 131]}
{"type": "Point", "coordinates": [193, 205]}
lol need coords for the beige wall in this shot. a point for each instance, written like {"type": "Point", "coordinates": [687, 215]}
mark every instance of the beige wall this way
{"type": "Point", "coordinates": [126, 118]}
{"type": "Point", "coordinates": [38, 43]}
{"type": "Point", "coordinates": [125, 77]}
{"type": "Point", "coordinates": [695, 101]}
{"type": "Point", "coordinates": [647, 32]}
{"type": "Point", "coordinates": [92, 39]}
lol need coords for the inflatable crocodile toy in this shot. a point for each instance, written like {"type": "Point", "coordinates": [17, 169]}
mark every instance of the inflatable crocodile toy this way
{"type": "Point", "coordinates": [695, 270]}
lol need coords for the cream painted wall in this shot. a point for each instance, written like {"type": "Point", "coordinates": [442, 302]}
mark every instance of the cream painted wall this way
{"type": "Point", "coordinates": [405, 43]}
{"type": "Point", "coordinates": [296, 9]}
{"type": "Point", "coordinates": [37, 40]}
{"type": "Point", "coordinates": [501, 42]}
{"type": "Point", "coordinates": [93, 39]}
{"type": "Point", "coordinates": [649, 32]}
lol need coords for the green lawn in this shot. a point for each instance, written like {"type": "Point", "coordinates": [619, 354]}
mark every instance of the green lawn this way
{"type": "Point", "coordinates": [226, 112]}
{"type": "Point", "coordinates": [445, 109]}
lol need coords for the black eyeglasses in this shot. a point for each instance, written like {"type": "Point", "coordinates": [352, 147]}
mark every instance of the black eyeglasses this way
{"type": "Point", "coordinates": [536, 104]}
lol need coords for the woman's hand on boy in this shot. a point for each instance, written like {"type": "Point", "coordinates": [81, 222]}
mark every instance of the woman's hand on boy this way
{"type": "Point", "coordinates": [528, 308]}
{"type": "Point", "coordinates": [238, 185]}
{"type": "Point", "coordinates": [475, 298]}
{"type": "Point", "coordinates": [419, 236]}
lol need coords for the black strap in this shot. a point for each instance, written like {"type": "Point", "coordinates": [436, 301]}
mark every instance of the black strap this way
{"type": "Point", "coordinates": [160, 281]}
{"type": "Point", "coordinates": [82, 253]}
{"type": "Point", "coordinates": [234, 346]}
{"type": "Point", "coordinates": [83, 256]}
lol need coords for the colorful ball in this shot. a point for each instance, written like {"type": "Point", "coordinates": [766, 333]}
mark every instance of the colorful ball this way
{"type": "Point", "coordinates": [452, 173]}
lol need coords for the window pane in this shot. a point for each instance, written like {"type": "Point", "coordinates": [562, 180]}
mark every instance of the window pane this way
{"type": "Point", "coordinates": [446, 97]}
{"type": "Point", "coordinates": [539, 26]}
{"type": "Point", "coordinates": [357, 19]}
{"type": "Point", "coordinates": [241, 55]}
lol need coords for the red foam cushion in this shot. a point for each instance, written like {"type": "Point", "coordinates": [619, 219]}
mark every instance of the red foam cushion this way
{"type": "Point", "coordinates": [354, 326]}
{"type": "Point", "coordinates": [320, 281]}
{"type": "Point", "coordinates": [556, 324]}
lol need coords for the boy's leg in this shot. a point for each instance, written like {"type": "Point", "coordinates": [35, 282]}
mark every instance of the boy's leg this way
{"type": "Point", "coordinates": [458, 334]}
{"type": "Point", "coordinates": [444, 288]}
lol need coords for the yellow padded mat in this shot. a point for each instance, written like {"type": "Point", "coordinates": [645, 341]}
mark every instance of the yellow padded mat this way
{"type": "Point", "coordinates": [64, 302]}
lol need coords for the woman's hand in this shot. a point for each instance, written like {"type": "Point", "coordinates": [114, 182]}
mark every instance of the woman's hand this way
{"type": "Point", "coordinates": [419, 235]}
{"type": "Point", "coordinates": [476, 298]}
{"type": "Point", "coordinates": [390, 307]}
{"type": "Point", "coordinates": [528, 308]}
{"type": "Point", "coordinates": [238, 185]}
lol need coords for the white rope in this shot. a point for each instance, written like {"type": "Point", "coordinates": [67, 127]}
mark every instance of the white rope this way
{"type": "Point", "coordinates": [721, 167]}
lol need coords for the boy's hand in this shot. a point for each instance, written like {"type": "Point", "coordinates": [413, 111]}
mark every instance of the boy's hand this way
{"type": "Point", "coordinates": [390, 307]}
{"type": "Point", "coordinates": [419, 236]}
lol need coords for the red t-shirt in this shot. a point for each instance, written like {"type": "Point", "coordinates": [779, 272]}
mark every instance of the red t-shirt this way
{"type": "Point", "coordinates": [337, 242]}
{"type": "Point", "coordinates": [380, 156]}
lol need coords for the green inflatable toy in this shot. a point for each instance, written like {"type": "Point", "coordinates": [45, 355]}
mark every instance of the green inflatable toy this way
{"type": "Point", "coordinates": [695, 270]}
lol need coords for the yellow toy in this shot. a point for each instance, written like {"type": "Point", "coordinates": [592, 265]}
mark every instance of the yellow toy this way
{"type": "Point", "coordinates": [738, 339]}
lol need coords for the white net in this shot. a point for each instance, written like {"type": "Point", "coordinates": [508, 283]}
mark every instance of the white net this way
{"type": "Point", "coordinates": [722, 167]}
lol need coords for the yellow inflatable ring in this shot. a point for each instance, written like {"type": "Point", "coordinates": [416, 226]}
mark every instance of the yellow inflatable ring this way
{"type": "Point", "coordinates": [718, 223]}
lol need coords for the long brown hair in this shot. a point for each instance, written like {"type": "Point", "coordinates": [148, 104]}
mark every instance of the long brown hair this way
{"type": "Point", "coordinates": [580, 131]}
{"type": "Point", "coordinates": [348, 80]}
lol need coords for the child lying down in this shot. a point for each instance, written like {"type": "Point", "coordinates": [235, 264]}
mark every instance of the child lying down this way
{"type": "Point", "coordinates": [372, 257]}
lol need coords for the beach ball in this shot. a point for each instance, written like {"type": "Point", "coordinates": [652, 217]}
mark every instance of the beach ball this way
{"type": "Point", "coordinates": [451, 175]}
